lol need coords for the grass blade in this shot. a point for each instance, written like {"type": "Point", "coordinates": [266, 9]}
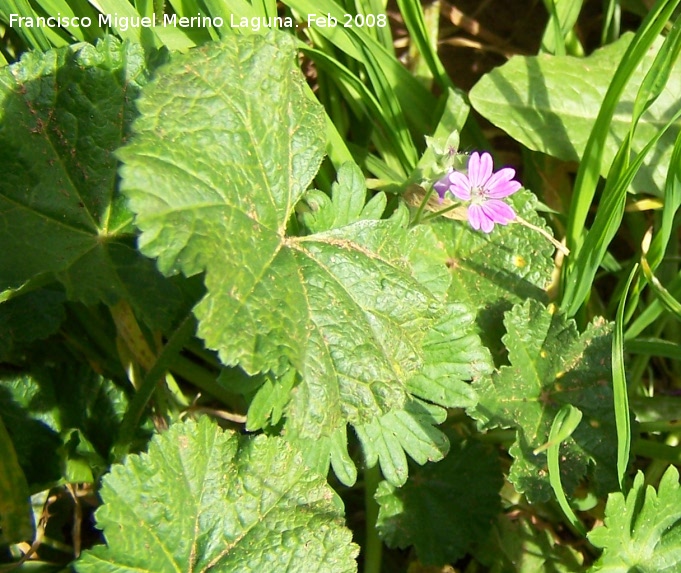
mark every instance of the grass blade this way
{"type": "Point", "coordinates": [619, 387]}
{"type": "Point", "coordinates": [588, 173]}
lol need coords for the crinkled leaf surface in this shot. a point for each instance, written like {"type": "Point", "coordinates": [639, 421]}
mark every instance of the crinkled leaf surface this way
{"type": "Point", "coordinates": [552, 365]}
{"type": "Point", "coordinates": [550, 103]}
{"type": "Point", "coordinates": [347, 306]}
{"type": "Point", "coordinates": [444, 507]}
{"type": "Point", "coordinates": [62, 115]}
{"type": "Point", "coordinates": [204, 499]}
{"type": "Point", "coordinates": [642, 531]}
{"type": "Point", "coordinates": [451, 353]}
{"type": "Point", "coordinates": [493, 271]}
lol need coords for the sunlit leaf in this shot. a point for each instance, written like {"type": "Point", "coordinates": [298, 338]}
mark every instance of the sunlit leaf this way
{"type": "Point", "coordinates": [552, 365]}
{"type": "Point", "coordinates": [207, 499]}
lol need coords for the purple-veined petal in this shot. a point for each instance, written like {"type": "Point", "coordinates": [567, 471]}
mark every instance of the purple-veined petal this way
{"type": "Point", "coordinates": [486, 224]}
{"type": "Point", "coordinates": [475, 216]}
{"type": "Point", "coordinates": [501, 184]}
{"type": "Point", "coordinates": [498, 211]}
{"type": "Point", "coordinates": [479, 169]}
{"type": "Point", "coordinates": [460, 186]}
{"type": "Point", "coordinates": [503, 189]}
{"type": "Point", "coordinates": [441, 186]}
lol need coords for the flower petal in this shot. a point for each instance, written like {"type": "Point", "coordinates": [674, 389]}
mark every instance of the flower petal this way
{"type": "Point", "coordinates": [479, 219]}
{"type": "Point", "coordinates": [460, 186]}
{"type": "Point", "coordinates": [479, 169]}
{"type": "Point", "coordinates": [441, 186]}
{"type": "Point", "coordinates": [487, 224]}
{"type": "Point", "coordinates": [503, 189]}
{"type": "Point", "coordinates": [501, 184]}
{"type": "Point", "coordinates": [498, 211]}
{"type": "Point", "coordinates": [475, 216]}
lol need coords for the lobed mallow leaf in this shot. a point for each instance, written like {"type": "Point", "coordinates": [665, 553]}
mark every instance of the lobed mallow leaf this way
{"type": "Point", "coordinates": [444, 507]}
{"type": "Point", "coordinates": [491, 272]}
{"type": "Point", "coordinates": [62, 115]}
{"type": "Point", "coordinates": [349, 306]}
{"type": "Point", "coordinates": [204, 499]}
{"type": "Point", "coordinates": [552, 365]}
{"type": "Point", "coordinates": [642, 530]}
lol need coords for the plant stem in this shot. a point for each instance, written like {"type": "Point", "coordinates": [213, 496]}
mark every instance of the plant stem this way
{"type": "Point", "coordinates": [203, 379]}
{"type": "Point", "coordinates": [139, 402]}
{"type": "Point", "coordinates": [657, 450]}
{"type": "Point", "coordinates": [440, 212]}
{"type": "Point", "coordinates": [422, 206]}
{"type": "Point", "coordinates": [373, 547]}
{"type": "Point", "coordinates": [560, 246]}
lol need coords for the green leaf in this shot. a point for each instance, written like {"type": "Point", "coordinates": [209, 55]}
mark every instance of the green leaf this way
{"type": "Point", "coordinates": [552, 365]}
{"type": "Point", "coordinates": [349, 307]}
{"type": "Point", "coordinates": [24, 319]}
{"type": "Point", "coordinates": [61, 418]}
{"type": "Point", "coordinates": [346, 206]}
{"type": "Point", "coordinates": [641, 531]}
{"type": "Point", "coordinates": [452, 353]}
{"type": "Point", "coordinates": [203, 498]}
{"type": "Point", "coordinates": [522, 546]}
{"type": "Point", "coordinates": [550, 103]}
{"type": "Point", "coordinates": [492, 272]}
{"type": "Point", "coordinates": [444, 507]}
{"type": "Point", "coordinates": [16, 519]}
{"type": "Point", "coordinates": [269, 402]}
{"type": "Point", "coordinates": [409, 430]}
{"type": "Point", "coordinates": [62, 115]}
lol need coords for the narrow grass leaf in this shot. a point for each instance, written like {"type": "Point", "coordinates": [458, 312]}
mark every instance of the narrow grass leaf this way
{"type": "Point", "coordinates": [564, 424]}
{"type": "Point", "coordinates": [412, 13]}
{"type": "Point", "coordinates": [672, 202]}
{"type": "Point", "coordinates": [607, 223]}
{"type": "Point", "coordinates": [654, 347]}
{"type": "Point", "coordinates": [416, 101]}
{"type": "Point", "coordinates": [619, 387]}
{"type": "Point", "coordinates": [652, 312]}
{"type": "Point", "coordinates": [589, 168]}
{"type": "Point", "coordinates": [34, 36]}
{"type": "Point", "coordinates": [664, 296]}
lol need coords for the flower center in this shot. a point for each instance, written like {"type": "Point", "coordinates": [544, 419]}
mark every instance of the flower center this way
{"type": "Point", "coordinates": [478, 194]}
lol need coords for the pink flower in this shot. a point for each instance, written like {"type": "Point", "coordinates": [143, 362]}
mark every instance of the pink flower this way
{"type": "Point", "coordinates": [484, 189]}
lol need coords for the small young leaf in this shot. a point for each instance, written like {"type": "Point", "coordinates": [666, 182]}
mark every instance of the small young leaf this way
{"type": "Point", "coordinates": [207, 499]}
{"type": "Point", "coordinates": [346, 206]}
{"type": "Point", "coordinates": [60, 415]}
{"type": "Point", "coordinates": [270, 400]}
{"type": "Point", "coordinates": [552, 365]}
{"type": "Point", "coordinates": [444, 507]}
{"type": "Point", "coordinates": [642, 531]}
